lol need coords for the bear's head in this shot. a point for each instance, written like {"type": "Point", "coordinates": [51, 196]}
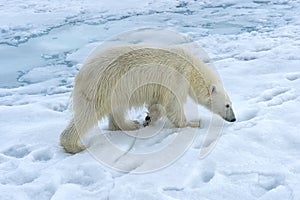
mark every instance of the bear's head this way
{"type": "Point", "coordinates": [219, 103]}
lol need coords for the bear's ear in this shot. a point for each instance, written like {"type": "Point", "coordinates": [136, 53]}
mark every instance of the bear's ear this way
{"type": "Point", "coordinates": [213, 89]}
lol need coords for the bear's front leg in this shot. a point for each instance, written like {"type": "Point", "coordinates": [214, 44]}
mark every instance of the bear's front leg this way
{"type": "Point", "coordinates": [175, 114]}
{"type": "Point", "coordinates": [194, 123]}
{"type": "Point", "coordinates": [117, 121]}
{"type": "Point", "coordinates": [179, 120]}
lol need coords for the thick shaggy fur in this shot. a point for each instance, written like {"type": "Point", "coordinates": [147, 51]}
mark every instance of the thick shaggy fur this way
{"type": "Point", "coordinates": [119, 78]}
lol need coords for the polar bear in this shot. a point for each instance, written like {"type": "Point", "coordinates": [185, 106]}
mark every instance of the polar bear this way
{"type": "Point", "coordinates": [122, 77]}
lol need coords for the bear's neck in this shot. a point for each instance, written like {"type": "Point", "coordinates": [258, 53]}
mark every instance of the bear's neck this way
{"type": "Point", "coordinates": [199, 86]}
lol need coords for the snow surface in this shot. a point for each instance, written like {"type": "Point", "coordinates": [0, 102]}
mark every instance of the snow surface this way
{"type": "Point", "coordinates": [255, 46]}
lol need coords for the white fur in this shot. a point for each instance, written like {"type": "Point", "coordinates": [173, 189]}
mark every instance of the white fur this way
{"type": "Point", "coordinates": [119, 78]}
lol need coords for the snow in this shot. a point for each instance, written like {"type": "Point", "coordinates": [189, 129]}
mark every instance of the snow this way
{"type": "Point", "coordinates": [255, 48]}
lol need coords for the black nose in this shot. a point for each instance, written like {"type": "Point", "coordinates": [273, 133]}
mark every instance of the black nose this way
{"type": "Point", "coordinates": [233, 120]}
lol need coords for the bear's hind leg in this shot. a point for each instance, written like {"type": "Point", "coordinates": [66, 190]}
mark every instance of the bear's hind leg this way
{"type": "Point", "coordinates": [112, 125]}
{"type": "Point", "coordinates": [155, 112]}
{"type": "Point", "coordinates": [69, 139]}
{"type": "Point", "coordinates": [77, 128]}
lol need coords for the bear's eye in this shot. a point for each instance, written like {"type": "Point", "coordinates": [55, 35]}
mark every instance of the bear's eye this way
{"type": "Point", "coordinates": [227, 105]}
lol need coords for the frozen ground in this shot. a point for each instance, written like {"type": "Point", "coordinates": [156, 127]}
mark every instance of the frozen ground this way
{"type": "Point", "coordinates": [256, 48]}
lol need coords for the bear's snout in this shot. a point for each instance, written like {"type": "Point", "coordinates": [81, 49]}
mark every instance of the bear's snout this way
{"type": "Point", "coordinates": [229, 115]}
{"type": "Point", "coordinates": [232, 120]}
